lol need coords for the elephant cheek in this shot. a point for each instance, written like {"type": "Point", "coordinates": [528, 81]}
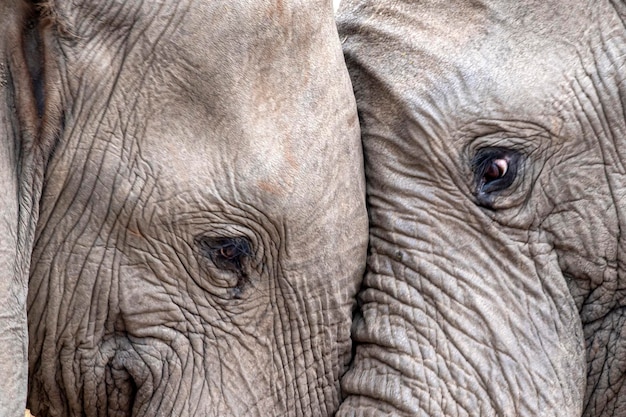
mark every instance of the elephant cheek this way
{"type": "Point", "coordinates": [281, 351]}
{"type": "Point", "coordinates": [464, 333]}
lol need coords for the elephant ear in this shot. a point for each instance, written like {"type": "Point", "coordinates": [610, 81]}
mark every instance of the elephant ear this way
{"type": "Point", "coordinates": [26, 137]}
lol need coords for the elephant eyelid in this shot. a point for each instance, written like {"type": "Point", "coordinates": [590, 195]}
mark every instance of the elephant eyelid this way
{"type": "Point", "coordinates": [225, 253]}
{"type": "Point", "coordinates": [495, 169]}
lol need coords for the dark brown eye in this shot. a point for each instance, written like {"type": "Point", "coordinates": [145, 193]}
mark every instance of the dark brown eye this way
{"type": "Point", "coordinates": [226, 253]}
{"type": "Point", "coordinates": [495, 169]}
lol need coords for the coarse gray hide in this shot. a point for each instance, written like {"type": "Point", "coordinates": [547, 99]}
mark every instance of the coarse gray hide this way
{"type": "Point", "coordinates": [494, 140]}
{"type": "Point", "coordinates": [202, 231]}
{"type": "Point", "coordinates": [24, 142]}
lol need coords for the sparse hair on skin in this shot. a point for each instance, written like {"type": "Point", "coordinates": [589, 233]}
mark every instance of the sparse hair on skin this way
{"type": "Point", "coordinates": [49, 15]}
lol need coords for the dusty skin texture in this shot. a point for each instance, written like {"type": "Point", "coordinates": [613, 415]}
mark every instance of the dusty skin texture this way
{"type": "Point", "coordinates": [13, 279]}
{"type": "Point", "coordinates": [24, 146]}
{"type": "Point", "coordinates": [203, 228]}
{"type": "Point", "coordinates": [494, 147]}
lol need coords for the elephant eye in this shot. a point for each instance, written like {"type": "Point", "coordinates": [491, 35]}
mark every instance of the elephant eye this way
{"type": "Point", "coordinates": [229, 252]}
{"type": "Point", "coordinates": [495, 170]}
{"type": "Point", "coordinates": [226, 253]}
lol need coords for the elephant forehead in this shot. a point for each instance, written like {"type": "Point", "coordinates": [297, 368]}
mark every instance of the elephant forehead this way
{"type": "Point", "coordinates": [210, 53]}
{"type": "Point", "coordinates": [472, 58]}
{"type": "Point", "coordinates": [248, 103]}
{"type": "Point", "coordinates": [90, 17]}
{"type": "Point", "coordinates": [208, 37]}
{"type": "Point", "coordinates": [288, 144]}
{"type": "Point", "coordinates": [250, 30]}
{"type": "Point", "coordinates": [257, 162]}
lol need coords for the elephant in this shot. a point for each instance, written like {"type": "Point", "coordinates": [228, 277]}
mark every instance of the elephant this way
{"type": "Point", "coordinates": [494, 145]}
{"type": "Point", "coordinates": [192, 227]}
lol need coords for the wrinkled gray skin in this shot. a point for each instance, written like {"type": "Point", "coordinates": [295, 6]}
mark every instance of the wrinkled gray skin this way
{"type": "Point", "coordinates": [13, 277]}
{"type": "Point", "coordinates": [23, 140]}
{"type": "Point", "coordinates": [202, 232]}
{"type": "Point", "coordinates": [490, 292]}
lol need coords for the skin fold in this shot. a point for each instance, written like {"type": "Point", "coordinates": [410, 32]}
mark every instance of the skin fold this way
{"type": "Point", "coordinates": [25, 141]}
{"type": "Point", "coordinates": [494, 145]}
{"type": "Point", "coordinates": [13, 279]}
{"type": "Point", "coordinates": [202, 232]}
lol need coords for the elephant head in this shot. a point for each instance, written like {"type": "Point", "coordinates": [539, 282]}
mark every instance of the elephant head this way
{"type": "Point", "coordinates": [494, 145]}
{"type": "Point", "coordinates": [202, 231]}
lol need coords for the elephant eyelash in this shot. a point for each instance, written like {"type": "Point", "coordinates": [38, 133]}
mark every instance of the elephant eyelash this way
{"type": "Point", "coordinates": [226, 253]}
{"type": "Point", "coordinates": [495, 170]}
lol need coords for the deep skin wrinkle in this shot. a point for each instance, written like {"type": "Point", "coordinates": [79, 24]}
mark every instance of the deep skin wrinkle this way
{"type": "Point", "coordinates": [192, 254]}
{"type": "Point", "coordinates": [502, 296]}
{"type": "Point", "coordinates": [28, 129]}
